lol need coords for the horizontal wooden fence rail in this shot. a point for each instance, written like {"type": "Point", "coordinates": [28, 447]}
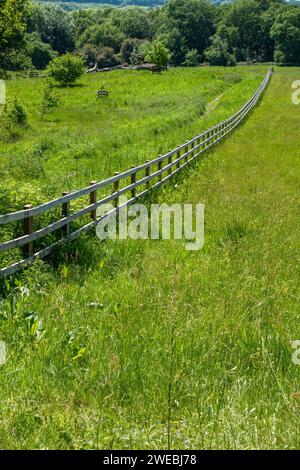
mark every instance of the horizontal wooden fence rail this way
{"type": "Point", "coordinates": [161, 169]}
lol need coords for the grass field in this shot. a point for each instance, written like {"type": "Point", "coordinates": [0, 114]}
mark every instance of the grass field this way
{"type": "Point", "coordinates": [142, 344]}
{"type": "Point", "coordinates": [87, 139]}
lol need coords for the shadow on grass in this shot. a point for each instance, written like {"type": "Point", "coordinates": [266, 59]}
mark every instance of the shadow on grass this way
{"type": "Point", "coordinates": [89, 253]}
{"type": "Point", "coordinates": [71, 85]}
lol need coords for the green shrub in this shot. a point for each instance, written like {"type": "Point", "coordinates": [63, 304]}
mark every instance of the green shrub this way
{"type": "Point", "coordinates": [218, 53]}
{"type": "Point", "coordinates": [128, 46]}
{"type": "Point", "coordinates": [13, 114]}
{"type": "Point", "coordinates": [89, 53]}
{"type": "Point", "coordinates": [49, 98]}
{"type": "Point", "coordinates": [39, 52]}
{"type": "Point", "coordinates": [107, 58]}
{"type": "Point", "coordinates": [279, 57]}
{"type": "Point", "coordinates": [66, 69]}
{"type": "Point", "coordinates": [16, 60]}
{"type": "Point", "coordinates": [137, 56]}
{"type": "Point", "coordinates": [105, 34]}
{"type": "Point", "coordinates": [156, 53]}
{"type": "Point", "coordinates": [192, 58]}
{"type": "Point", "coordinates": [14, 195]}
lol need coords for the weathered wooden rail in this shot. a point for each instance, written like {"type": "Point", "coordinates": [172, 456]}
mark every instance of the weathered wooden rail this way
{"type": "Point", "coordinates": [165, 167]}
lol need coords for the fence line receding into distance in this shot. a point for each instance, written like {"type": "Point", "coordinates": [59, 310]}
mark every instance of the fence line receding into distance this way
{"type": "Point", "coordinates": [165, 167]}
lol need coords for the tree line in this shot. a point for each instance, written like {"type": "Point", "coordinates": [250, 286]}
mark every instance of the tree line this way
{"type": "Point", "coordinates": [182, 32]}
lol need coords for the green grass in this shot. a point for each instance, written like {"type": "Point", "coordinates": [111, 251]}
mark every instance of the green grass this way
{"type": "Point", "coordinates": [102, 332]}
{"type": "Point", "coordinates": [87, 139]}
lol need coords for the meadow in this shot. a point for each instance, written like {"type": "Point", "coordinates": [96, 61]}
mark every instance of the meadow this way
{"type": "Point", "coordinates": [142, 344]}
{"type": "Point", "coordinates": [87, 139]}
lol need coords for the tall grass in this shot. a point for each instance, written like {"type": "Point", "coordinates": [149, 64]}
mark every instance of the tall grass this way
{"type": "Point", "coordinates": [88, 139]}
{"type": "Point", "coordinates": [142, 344]}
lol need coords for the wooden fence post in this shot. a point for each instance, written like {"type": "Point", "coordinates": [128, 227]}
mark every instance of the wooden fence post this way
{"type": "Point", "coordinates": [133, 181]}
{"type": "Point", "coordinates": [65, 211]}
{"type": "Point", "coordinates": [116, 189]}
{"type": "Point", "coordinates": [198, 143]}
{"type": "Point", "coordinates": [169, 162]}
{"type": "Point", "coordinates": [116, 185]}
{"type": "Point", "coordinates": [186, 149]}
{"type": "Point", "coordinates": [147, 173]}
{"type": "Point", "coordinates": [93, 200]}
{"type": "Point", "coordinates": [192, 146]}
{"type": "Point", "coordinates": [28, 228]}
{"type": "Point", "coordinates": [208, 136]}
{"type": "Point", "coordinates": [159, 167]}
{"type": "Point", "coordinates": [177, 156]}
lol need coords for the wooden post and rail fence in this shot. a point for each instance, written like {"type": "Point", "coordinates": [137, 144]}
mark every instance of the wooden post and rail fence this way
{"type": "Point", "coordinates": [158, 171]}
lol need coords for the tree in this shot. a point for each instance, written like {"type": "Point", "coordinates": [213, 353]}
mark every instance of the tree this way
{"type": "Point", "coordinates": [286, 34]}
{"type": "Point", "coordinates": [16, 60]}
{"type": "Point", "coordinates": [66, 69]}
{"type": "Point", "coordinates": [128, 46]}
{"type": "Point", "coordinates": [107, 58]}
{"type": "Point", "coordinates": [39, 52]}
{"type": "Point", "coordinates": [54, 25]}
{"type": "Point", "coordinates": [137, 56]}
{"type": "Point", "coordinates": [49, 98]}
{"type": "Point", "coordinates": [105, 35]}
{"type": "Point", "coordinates": [218, 54]}
{"type": "Point", "coordinates": [194, 21]}
{"type": "Point", "coordinates": [157, 53]}
{"type": "Point", "coordinates": [192, 58]}
{"type": "Point", "coordinates": [268, 18]}
{"type": "Point", "coordinates": [89, 53]}
{"type": "Point", "coordinates": [82, 18]}
{"type": "Point", "coordinates": [243, 20]}
{"type": "Point", "coordinates": [134, 23]}
{"type": "Point", "coordinates": [13, 15]}
{"type": "Point", "coordinates": [176, 44]}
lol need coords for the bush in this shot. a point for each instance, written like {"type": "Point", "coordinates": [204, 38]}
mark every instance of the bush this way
{"type": "Point", "coordinates": [39, 52]}
{"type": "Point", "coordinates": [192, 58]}
{"type": "Point", "coordinates": [107, 58]}
{"type": "Point", "coordinates": [66, 69]}
{"type": "Point", "coordinates": [16, 60]}
{"type": "Point", "coordinates": [89, 54]}
{"type": "Point", "coordinates": [49, 98]}
{"type": "Point", "coordinates": [137, 56]}
{"type": "Point", "coordinates": [103, 35]}
{"type": "Point", "coordinates": [279, 57]}
{"type": "Point", "coordinates": [4, 74]}
{"type": "Point", "coordinates": [231, 60]}
{"type": "Point", "coordinates": [13, 114]}
{"type": "Point", "coordinates": [157, 53]}
{"type": "Point", "coordinates": [128, 46]}
{"type": "Point", "coordinates": [218, 54]}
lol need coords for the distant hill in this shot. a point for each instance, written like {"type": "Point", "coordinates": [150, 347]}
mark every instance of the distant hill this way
{"type": "Point", "coordinates": [71, 4]}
